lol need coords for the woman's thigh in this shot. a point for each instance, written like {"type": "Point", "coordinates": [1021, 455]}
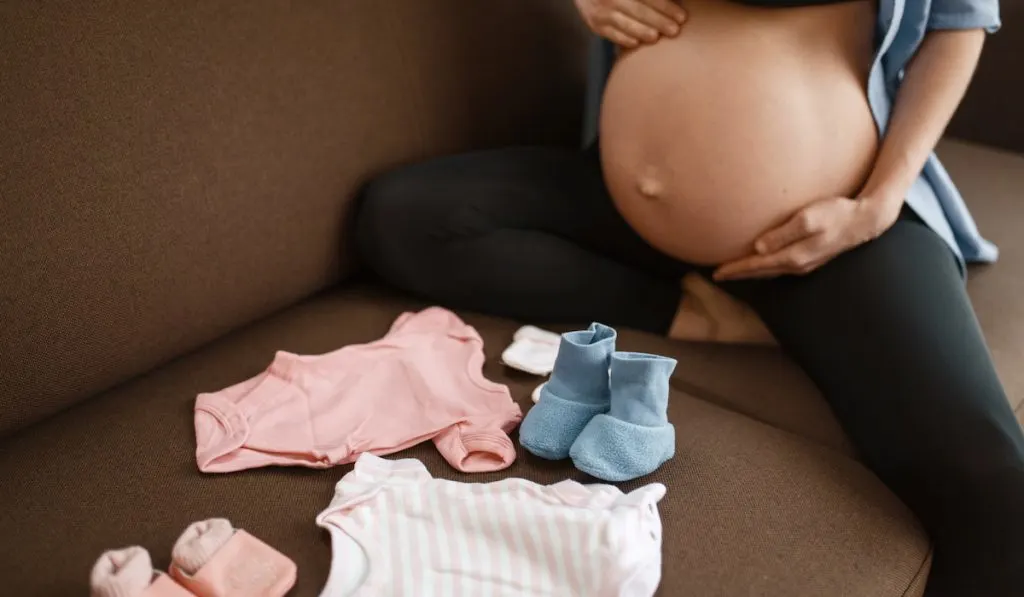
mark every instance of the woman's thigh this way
{"type": "Point", "coordinates": [888, 334]}
{"type": "Point", "coordinates": [525, 232]}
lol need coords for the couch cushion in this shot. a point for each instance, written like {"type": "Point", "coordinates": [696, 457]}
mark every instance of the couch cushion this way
{"type": "Point", "coordinates": [751, 509]}
{"type": "Point", "coordinates": [763, 384]}
{"type": "Point", "coordinates": [992, 182]}
{"type": "Point", "coordinates": [172, 170]}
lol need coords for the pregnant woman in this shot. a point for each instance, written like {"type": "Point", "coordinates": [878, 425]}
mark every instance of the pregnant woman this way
{"type": "Point", "coordinates": [784, 149]}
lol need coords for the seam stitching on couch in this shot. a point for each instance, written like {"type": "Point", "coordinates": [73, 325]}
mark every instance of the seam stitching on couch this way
{"type": "Point", "coordinates": [920, 570]}
{"type": "Point", "coordinates": [710, 396]}
{"type": "Point", "coordinates": [716, 399]}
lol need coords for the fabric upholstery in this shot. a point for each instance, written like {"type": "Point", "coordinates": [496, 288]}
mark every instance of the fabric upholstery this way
{"type": "Point", "coordinates": [990, 112]}
{"type": "Point", "coordinates": [176, 181]}
{"type": "Point", "coordinates": [750, 509]}
{"type": "Point", "coordinates": [172, 170]}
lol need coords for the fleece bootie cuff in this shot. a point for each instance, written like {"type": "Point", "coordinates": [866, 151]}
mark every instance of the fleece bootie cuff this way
{"type": "Point", "coordinates": [581, 370]}
{"type": "Point", "coordinates": [578, 390]}
{"type": "Point", "coordinates": [613, 450]}
{"type": "Point", "coordinates": [552, 425]}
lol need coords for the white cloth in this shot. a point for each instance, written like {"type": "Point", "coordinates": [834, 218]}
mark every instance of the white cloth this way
{"type": "Point", "coordinates": [397, 531]}
{"type": "Point", "coordinates": [535, 396]}
{"type": "Point", "coordinates": [533, 350]}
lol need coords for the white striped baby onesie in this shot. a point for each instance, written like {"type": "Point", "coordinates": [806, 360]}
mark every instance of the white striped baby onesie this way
{"type": "Point", "coordinates": [398, 532]}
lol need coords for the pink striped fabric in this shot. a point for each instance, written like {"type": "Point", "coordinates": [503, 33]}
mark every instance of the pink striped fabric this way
{"type": "Point", "coordinates": [397, 531]}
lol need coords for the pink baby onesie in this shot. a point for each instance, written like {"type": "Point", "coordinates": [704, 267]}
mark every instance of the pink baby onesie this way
{"type": "Point", "coordinates": [421, 381]}
{"type": "Point", "coordinates": [396, 531]}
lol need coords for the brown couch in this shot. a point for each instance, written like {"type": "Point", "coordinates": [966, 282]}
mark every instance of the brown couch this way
{"type": "Point", "coordinates": [175, 185]}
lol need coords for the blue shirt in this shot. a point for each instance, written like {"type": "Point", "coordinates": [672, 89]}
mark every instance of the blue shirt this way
{"type": "Point", "coordinates": [901, 27]}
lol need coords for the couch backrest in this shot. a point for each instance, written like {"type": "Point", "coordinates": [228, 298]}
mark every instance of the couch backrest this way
{"type": "Point", "coordinates": [992, 113]}
{"type": "Point", "coordinates": [172, 170]}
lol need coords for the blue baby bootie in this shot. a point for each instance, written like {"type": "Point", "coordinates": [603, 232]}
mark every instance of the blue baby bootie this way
{"type": "Point", "coordinates": [634, 438]}
{"type": "Point", "coordinates": [576, 392]}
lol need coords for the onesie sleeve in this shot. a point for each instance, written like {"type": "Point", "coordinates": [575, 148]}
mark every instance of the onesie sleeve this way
{"type": "Point", "coordinates": [965, 14]}
{"type": "Point", "coordinates": [479, 445]}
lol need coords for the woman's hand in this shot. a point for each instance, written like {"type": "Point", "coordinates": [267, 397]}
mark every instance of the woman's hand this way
{"type": "Point", "coordinates": [629, 23]}
{"type": "Point", "coordinates": [813, 237]}
{"type": "Point", "coordinates": [934, 82]}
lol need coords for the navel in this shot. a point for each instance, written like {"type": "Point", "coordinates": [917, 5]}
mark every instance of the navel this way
{"type": "Point", "coordinates": [649, 185]}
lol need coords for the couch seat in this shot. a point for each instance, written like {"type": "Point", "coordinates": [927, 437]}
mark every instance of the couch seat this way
{"type": "Point", "coordinates": [751, 508]}
{"type": "Point", "coordinates": [765, 495]}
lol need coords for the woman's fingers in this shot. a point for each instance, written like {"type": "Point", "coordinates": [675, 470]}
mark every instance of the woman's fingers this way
{"type": "Point", "coordinates": [798, 258]}
{"type": "Point", "coordinates": [662, 16]}
{"type": "Point", "coordinates": [617, 37]}
{"type": "Point", "coordinates": [633, 28]}
{"type": "Point", "coordinates": [805, 223]}
{"type": "Point", "coordinates": [629, 23]}
{"type": "Point", "coordinates": [669, 8]}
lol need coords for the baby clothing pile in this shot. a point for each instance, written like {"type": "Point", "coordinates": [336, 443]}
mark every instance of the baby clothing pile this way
{"type": "Point", "coordinates": [396, 530]}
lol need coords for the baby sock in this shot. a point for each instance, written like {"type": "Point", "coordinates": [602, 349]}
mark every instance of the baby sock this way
{"type": "Point", "coordinates": [129, 572]}
{"type": "Point", "coordinates": [576, 391]}
{"type": "Point", "coordinates": [634, 438]}
{"type": "Point", "coordinates": [196, 546]}
{"type": "Point", "coordinates": [212, 559]}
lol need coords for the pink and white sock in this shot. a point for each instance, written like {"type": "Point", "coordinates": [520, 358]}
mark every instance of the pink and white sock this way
{"type": "Point", "coordinates": [212, 559]}
{"type": "Point", "coordinates": [129, 572]}
{"type": "Point", "coordinates": [200, 541]}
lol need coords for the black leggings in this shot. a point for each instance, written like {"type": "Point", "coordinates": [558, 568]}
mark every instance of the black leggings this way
{"type": "Point", "coordinates": [886, 330]}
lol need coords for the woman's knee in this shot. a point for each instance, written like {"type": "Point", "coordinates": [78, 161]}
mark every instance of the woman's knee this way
{"type": "Point", "coordinates": [409, 218]}
{"type": "Point", "coordinates": [394, 223]}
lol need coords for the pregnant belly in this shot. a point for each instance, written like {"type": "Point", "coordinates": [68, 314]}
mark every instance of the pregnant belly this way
{"type": "Point", "coordinates": [715, 136]}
